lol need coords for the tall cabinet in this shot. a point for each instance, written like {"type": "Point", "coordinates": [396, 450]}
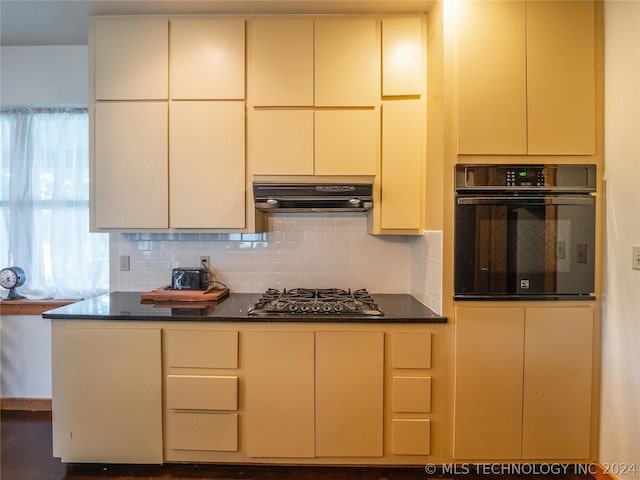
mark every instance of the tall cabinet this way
{"type": "Point", "coordinates": [522, 83]}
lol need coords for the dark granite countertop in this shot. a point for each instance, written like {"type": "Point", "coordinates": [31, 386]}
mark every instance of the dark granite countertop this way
{"type": "Point", "coordinates": [397, 308]}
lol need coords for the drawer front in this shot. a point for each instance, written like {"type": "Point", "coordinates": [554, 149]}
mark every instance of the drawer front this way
{"type": "Point", "coordinates": [201, 349]}
{"type": "Point", "coordinates": [191, 392]}
{"type": "Point", "coordinates": [411, 350]}
{"type": "Point", "coordinates": [202, 431]}
{"type": "Point", "coordinates": [411, 437]}
{"type": "Point", "coordinates": [412, 394]}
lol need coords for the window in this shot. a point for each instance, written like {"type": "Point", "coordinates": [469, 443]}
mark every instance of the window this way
{"type": "Point", "coordinates": [44, 204]}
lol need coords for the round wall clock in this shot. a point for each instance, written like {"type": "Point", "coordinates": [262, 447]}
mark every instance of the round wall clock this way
{"type": "Point", "coordinates": [11, 278]}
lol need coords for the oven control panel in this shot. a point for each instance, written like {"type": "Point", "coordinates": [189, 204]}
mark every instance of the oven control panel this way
{"type": "Point", "coordinates": [565, 177]}
{"type": "Point", "coordinates": [525, 177]}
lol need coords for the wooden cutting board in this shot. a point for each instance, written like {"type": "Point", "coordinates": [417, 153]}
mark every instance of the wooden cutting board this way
{"type": "Point", "coordinates": [168, 295]}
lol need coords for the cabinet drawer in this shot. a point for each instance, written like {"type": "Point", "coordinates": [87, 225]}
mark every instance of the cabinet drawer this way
{"type": "Point", "coordinates": [201, 349]}
{"type": "Point", "coordinates": [190, 392]}
{"type": "Point", "coordinates": [412, 394]}
{"type": "Point", "coordinates": [411, 437]}
{"type": "Point", "coordinates": [202, 431]}
{"type": "Point", "coordinates": [411, 350]}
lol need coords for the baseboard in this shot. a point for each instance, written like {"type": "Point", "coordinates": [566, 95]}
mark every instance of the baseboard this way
{"type": "Point", "coordinates": [601, 474]}
{"type": "Point", "coordinates": [32, 404]}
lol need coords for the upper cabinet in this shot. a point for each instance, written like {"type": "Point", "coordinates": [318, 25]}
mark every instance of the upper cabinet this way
{"type": "Point", "coordinates": [131, 59]}
{"type": "Point", "coordinates": [346, 141]}
{"type": "Point", "coordinates": [326, 62]}
{"type": "Point", "coordinates": [402, 58]}
{"type": "Point", "coordinates": [207, 59]}
{"type": "Point", "coordinates": [492, 68]}
{"type": "Point", "coordinates": [526, 77]}
{"type": "Point", "coordinates": [130, 182]}
{"type": "Point", "coordinates": [168, 124]}
{"type": "Point", "coordinates": [281, 62]}
{"type": "Point", "coordinates": [183, 100]}
{"type": "Point", "coordinates": [561, 77]}
{"type": "Point", "coordinates": [347, 62]}
{"type": "Point", "coordinates": [342, 95]}
{"type": "Point", "coordinates": [207, 164]}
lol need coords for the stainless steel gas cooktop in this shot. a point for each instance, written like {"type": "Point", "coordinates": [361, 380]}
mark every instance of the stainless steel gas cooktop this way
{"type": "Point", "coordinates": [316, 301]}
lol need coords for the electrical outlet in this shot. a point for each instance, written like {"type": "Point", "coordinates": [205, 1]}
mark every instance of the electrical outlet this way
{"type": "Point", "coordinates": [635, 261]}
{"type": "Point", "coordinates": [204, 262]}
{"type": "Point", "coordinates": [125, 263]}
{"type": "Point", "coordinates": [581, 252]}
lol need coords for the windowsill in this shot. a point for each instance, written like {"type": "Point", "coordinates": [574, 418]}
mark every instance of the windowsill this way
{"type": "Point", "coordinates": [31, 307]}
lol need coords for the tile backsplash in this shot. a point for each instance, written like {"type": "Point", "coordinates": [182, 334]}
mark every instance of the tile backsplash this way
{"type": "Point", "coordinates": [299, 250]}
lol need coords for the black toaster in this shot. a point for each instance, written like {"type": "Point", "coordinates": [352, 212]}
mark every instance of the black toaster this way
{"type": "Point", "coordinates": [189, 278]}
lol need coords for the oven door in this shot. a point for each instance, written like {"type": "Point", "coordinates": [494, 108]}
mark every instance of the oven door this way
{"type": "Point", "coordinates": [533, 247]}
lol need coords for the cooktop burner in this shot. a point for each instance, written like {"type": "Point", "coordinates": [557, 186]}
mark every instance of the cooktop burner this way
{"type": "Point", "coordinates": [315, 301]}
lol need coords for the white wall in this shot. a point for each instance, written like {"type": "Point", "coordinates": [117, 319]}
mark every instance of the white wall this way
{"type": "Point", "coordinates": [44, 76]}
{"type": "Point", "coordinates": [25, 357]}
{"type": "Point", "coordinates": [620, 400]}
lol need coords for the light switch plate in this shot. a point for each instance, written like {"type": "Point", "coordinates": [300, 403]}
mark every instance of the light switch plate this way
{"type": "Point", "coordinates": [635, 259]}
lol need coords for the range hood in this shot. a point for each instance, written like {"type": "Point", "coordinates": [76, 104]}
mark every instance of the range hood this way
{"type": "Point", "coordinates": [313, 194]}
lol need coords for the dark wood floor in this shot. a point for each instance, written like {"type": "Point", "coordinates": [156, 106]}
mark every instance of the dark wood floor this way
{"type": "Point", "coordinates": [25, 438]}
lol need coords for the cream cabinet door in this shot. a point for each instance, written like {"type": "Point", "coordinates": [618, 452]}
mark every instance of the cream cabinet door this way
{"type": "Point", "coordinates": [349, 394]}
{"type": "Point", "coordinates": [207, 168]}
{"type": "Point", "coordinates": [561, 77]}
{"type": "Point", "coordinates": [207, 58]}
{"type": "Point", "coordinates": [347, 62]}
{"type": "Point", "coordinates": [402, 57]}
{"type": "Point", "coordinates": [489, 352]}
{"type": "Point", "coordinates": [131, 58]}
{"type": "Point", "coordinates": [280, 62]}
{"type": "Point", "coordinates": [107, 394]}
{"type": "Point", "coordinates": [130, 165]}
{"type": "Point", "coordinates": [558, 359]}
{"type": "Point", "coordinates": [492, 88]}
{"type": "Point", "coordinates": [280, 141]}
{"type": "Point", "coordinates": [402, 155]}
{"type": "Point", "coordinates": [347, 142]}
{"type": "Point", "coordinates": [279, 370]}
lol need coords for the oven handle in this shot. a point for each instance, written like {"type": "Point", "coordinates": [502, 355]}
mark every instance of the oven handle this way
{"type": "Point", "coordinates": [544, 200]}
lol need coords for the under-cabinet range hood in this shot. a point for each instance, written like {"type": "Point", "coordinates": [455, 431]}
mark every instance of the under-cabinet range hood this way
{"type": "Point", "coordinates": [313, 194]}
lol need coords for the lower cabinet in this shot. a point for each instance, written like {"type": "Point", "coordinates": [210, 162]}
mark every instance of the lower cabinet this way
{"type": "Point", "coordinates": [349, 394]}
{"type": "Point", "coordinates": [523, 382]}
{"type": "Point", "coordinates": [314, 394]}
{"type": "Point", "coordinates": [107, 393]}
{"type": "Point", "coordinates": [305, 393]}
{"type": "Point", "coordinates": [201, 392]}
{"type": "Point", "coordinates": [411, 393]}
{"type": "Point", "coordinates": [279, 370]}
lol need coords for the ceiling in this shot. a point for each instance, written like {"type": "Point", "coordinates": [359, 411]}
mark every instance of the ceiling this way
{"type": "Point", "coordinates": [64, 22]}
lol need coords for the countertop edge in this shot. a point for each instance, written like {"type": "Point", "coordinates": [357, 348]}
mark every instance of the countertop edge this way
{"type": "Point", "coordinates": [341, 320]}
{"type": "Point", "coordinates": [126, 306]}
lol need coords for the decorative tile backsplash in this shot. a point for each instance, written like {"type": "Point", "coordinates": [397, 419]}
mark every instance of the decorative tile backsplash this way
{"type": "Point", "coordinates": [299, 250]}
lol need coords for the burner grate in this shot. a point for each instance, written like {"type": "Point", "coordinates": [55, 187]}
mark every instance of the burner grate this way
{"type": "Point", "coordinates": [316, 301]}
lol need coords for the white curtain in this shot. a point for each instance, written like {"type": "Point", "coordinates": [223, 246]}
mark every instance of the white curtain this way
{"type": "Point", "coordinates": [44, 204]}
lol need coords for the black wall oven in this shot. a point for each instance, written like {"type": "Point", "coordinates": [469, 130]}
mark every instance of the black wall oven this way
{"type": "Point", "coordinates": [524, 232]}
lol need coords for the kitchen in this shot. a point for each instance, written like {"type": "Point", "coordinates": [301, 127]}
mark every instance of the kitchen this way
{"type": "Point", "coordinates": [402, 265]}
